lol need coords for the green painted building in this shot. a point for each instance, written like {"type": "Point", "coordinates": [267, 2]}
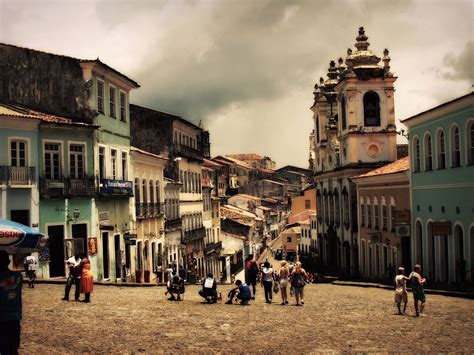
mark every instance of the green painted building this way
{"type": "Point", "coordinates": [442, 190]}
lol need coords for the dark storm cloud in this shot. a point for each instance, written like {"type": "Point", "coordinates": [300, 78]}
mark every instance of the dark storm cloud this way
{"type": "Point", "coordinates": [460, 66]}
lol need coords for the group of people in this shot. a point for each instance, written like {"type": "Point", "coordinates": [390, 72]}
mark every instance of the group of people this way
{"type": "Point", "coordinates": [80, 275]}
{"type": "Point", "coordinates": [401, 294]}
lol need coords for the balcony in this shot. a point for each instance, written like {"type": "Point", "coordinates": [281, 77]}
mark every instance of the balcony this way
{"type": "Point", "coordinates": [147, 210]}
{"type": "Point", "coordinates": [17, 175]}
{"type": "Point", "coordinates": [172, 224]}
{"type": "Point", "coordinates": [115, 188]}
{"type": "Point", "coordinates": [189, 236]}
{"type": "Point", "coordinates": [65, 187]}
{"type": "Point", "coordinates": [213, 248]}
{"type": "Point", "coordinates": [188, 152]}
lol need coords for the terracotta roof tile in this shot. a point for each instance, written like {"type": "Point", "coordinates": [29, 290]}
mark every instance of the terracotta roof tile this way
{"type": "Point", "coordinates": [250, 156]}
{"type": "Point", "coordinates": [396, 167]}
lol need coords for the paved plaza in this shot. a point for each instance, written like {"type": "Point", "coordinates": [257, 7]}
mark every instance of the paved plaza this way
{"type": "Point", "coordinates": [334, 318]}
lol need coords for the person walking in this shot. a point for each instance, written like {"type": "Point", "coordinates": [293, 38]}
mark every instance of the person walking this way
{"type": "Point", "coordinates": [30, 267]}
{"type": "Point", "coordinates": [283, 278]}
{"type": "Point", "coordinates": [298, 281]}
{"type": "Point", "coordinates": [268, 276]}
{"type": "Point", "coordinates": [75, 272]}
{"type": "Point", "coordinates": [417, 283]}
{"type": "Point", "coordinates": [401, 290]}
{"type": "Point", "coordinates": [87, 280]}
{"type": "Point", "coordinates": [11, 283]}
{"type": "Point", "coordinates": [251, 273]}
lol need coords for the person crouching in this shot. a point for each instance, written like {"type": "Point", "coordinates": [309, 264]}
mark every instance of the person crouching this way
{"type": "Point", "coordinates": [176, 287]}
{"type": "Point", "coordinates": [209, 289]}
{"type": "Point", "coordinates": [240, 292]}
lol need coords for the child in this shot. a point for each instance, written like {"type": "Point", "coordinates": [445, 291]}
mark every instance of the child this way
{"type": "Point", "coordinates": [401, 290]}
{"type": "Point", "coordinates": [417, 288]}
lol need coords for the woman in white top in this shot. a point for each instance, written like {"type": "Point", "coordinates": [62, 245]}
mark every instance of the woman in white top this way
{"type": "Point", "coordinates": [284, 277]}
{"type": "Point", "coordinates": [267, 281]}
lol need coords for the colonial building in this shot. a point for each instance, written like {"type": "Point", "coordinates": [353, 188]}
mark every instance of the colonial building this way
{"type": "Point", "coordinates": [441, 148]}
{"type": "Point", "coordinates": [173, 225]}
{"type": "Point", "coordinates": [186, 146]}
{"type": "Point", "coordinates": [354, 130]}
{"type": "Point", "coordinates": [254, 160]}
{"type": "Point", "coordinates": [148, 249]}
{"type": "Point", "coordinates": [84, 170]}
{"type": "Point", "coordinates": [383, 197]}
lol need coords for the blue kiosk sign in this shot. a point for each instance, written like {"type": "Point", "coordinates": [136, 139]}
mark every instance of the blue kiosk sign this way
{"type": "Point", "coordinates": [116, 188]}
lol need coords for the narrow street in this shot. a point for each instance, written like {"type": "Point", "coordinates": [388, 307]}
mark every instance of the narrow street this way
{"type": "Point", "coordinates": [334, 318]}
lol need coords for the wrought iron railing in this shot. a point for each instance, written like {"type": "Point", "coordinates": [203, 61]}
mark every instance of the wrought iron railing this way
{"type": "Point", "coordinates": [189, 236]}
{"type": "Point", "coordinates": [17, 175]}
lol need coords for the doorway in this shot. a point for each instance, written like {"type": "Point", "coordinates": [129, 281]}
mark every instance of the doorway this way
{"type": "Point", "coordinates": [118, 257]}
{"type": "Point", "coordinates": [105, 254]}
{"type": "Point", "coordinates": [56, 251]}
{"type": "Point", "coordinates": [22, 217]}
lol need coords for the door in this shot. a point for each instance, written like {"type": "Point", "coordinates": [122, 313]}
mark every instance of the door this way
{"type": "Point", "coordinates": [56, 251]}
{"type": "Point", "coordinates": [79, 235]}
{"type": "Point", "coordinates": [118, 257]}
{"type": "Point", "coordinates": [105, 254]}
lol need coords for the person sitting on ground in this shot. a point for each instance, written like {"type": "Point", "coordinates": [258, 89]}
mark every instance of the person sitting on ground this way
{"type": "Point", "coordinates": [209, 289]}
{"type": "Point", "coordinates": [176, 287]}
{"type": "Point", "coordinates": [241, 292]}
{"type": "Point", "coordinates": [401, 290]}
{"type": "Point", "coordinates": [417, 288]}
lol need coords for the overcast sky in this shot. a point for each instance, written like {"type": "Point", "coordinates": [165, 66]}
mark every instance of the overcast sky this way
{"type": "Point", "coordinates": [247, 68]}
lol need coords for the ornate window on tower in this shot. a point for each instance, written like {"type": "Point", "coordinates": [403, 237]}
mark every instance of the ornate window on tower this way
{"type": "Point", "coordinates": [343, 112]}
{"type": "Point", "coordinates": [371, 109]}
{"type": "Point", "coordinates": [317, 129]}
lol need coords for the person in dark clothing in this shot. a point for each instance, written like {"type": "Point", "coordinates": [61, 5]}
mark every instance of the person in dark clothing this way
{"type": "Point", "coordinates": [11, 283]}
{"type": "Point", "coordinates": [75, 272]}
{"type": "Point", "coordinates": [241, 292]}
{"type": "Point", "coordinates": [209, 289]}
{"type": "Point", "coordinates": [251, 273]}
{"type": "Point", "coordinates": [176, 287]}
{"type": "Point", "coordinates": [182, 272]}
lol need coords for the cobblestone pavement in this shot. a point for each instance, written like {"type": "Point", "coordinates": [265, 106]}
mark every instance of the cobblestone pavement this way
{"type": "Point", "coordinates": [334, 318]}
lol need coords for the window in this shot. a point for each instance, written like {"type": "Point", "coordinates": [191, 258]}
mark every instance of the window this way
{"type": "Point", "coordinates": [100, 96]}
{"type": "Point", "coordinates": [441, 150]}
{"type": "Point", "coordinates": [113, 162]}
{"type": "Point", "coordinates": [376, 214]}
{"type": "Point", "coordinates": [362, 213]}
{"type": "Point", "coordinates": [337, 208]}
{"type": "Point", "coordinates": [152, 190]}
{"type": "Point", "coordinates": [18, 153]}
{"type": "Point", "coordinates": [455, 148]}
{"type": "Point", "coordinates": [416, 154]}
{"type": "Point", "coordinates": [470, 142]}
{"type": "Point", "coordinates": [124, 166]}
{"type": "Point", "coordinates": [384, 217]}
{"type": "Point", "coordinates": [346, 207]}
{"type": "Point", "coordinates": [307, 204]}
{"type": "Point", "coordinates": [52, 161]}
{"type": "Point", "coordinates": [317, 129]}
{"type": "Point", "coordinates": [137, 190]}
{"type": "Point", "coordinates": [343, 113]}
{"type": "Point", "coordinates": [101, 163]}
{"type": "Point", "coordinates": [157, 191]}
{"type": "Point", "coordinates": [371, 109]}
{"type": "Point", "coordinates": [76, 161]}
{"type": "Point", "coordinates": [428, 153]}
{"type": "Point", "coordinates": [331, 208]}
{"type": "Point", "coordinates": [123, 107]}
{"type": "Point", "coordinates": [112, 102]}
{"type": "Point", "coordinates": [369, 214]}
{"type": "Point", "coordinates": [392, 213]}
{"type": "Point", "coordinates": [144, 192]}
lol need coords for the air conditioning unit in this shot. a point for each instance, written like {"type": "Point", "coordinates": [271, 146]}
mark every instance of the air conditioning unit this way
{"type": "Point", "coordinates": [402, 230]}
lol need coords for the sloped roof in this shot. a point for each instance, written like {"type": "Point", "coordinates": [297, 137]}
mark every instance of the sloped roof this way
{"type": "Point", "coordinates": [249, 156]}
{"type": "Point", "coordinates": [211, 164]}
{"type": "Point", "coordinates": [135, 149]}
{"type": "Point", "coordinates": [300, 217]}
{"type": "Point", "coordinates": [20, 111]}
{"type": "Point", "coordinates": [250, 197]}
{"type": "Point", "coordinates": [227, 160]}
{"type": "Point", "coordinates": [397, 166]}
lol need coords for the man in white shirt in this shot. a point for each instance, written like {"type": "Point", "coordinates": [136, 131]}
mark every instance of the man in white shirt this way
{"type": "Point", "coordinates": [75, 271]}
{"type": "Point", "coordinates": [30, 268]}
{"type": "Point", "coordinates": [209, 289]}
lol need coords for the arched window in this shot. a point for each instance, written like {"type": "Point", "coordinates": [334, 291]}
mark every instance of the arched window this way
{"type": "Point", "coordinates": [455, 147]}
{"type": "Point", "coordinates": [362, 212]}
{"type": "Point", "coordinates": [428, 153]}
{"type": "Point", "coordinates": [384, 215]}
{"type": "Point", "coordinates": [337, 207]}
{"type": "Point", "coordinates": [441, 150]}
{"type": "Point", "coordinates": [470, 143]}
{"type": "Point", "coordinates": [343, 113]}
{"type": "Point", "coordinates": [416, 154]}
{"type": "Point", "coordinates": [152, 192]}
{"type": "Point", "coordinates": [137, 190]}
{"type": "Point", "coordinates": [317, 129]}
{"type": "Point", "coordinates": [331, 208]}
{"type": "Point", "coordinates": [369, 213]}
{"type": "Point", "coordinates": [144, 192]}
{"type": "Point", "coordinates": [376, 214]}
{"type": "Point", "coordinates": [371, 109]}
{"type": "Point", "coordinates": [157, 192]}
{"type": "Point", "coordinates": [392, 213]}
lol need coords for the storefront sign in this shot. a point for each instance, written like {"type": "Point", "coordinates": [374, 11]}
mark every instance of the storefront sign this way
{"type": "Point", "coordinates": [55, 185]}
{"type": "Point", "coordinates": [116, 187]}
{"type": "Point", "coordinates": [104, 216]}
{"type": "Point", "coordinates": [441, 228]}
